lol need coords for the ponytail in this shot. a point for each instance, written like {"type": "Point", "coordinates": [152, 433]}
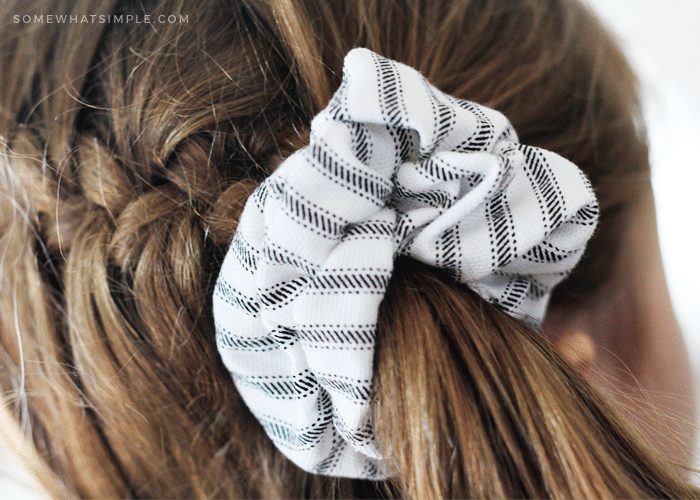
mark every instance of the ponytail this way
{"type": "Point", "coordinates": [474, 404]}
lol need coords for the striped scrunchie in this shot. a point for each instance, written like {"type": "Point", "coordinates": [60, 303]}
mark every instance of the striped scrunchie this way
{"type": "Point", "coordinates": [394, 167]}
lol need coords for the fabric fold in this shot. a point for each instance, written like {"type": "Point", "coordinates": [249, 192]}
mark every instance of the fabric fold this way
{"type": "Point", "coordinates": [394, 167]}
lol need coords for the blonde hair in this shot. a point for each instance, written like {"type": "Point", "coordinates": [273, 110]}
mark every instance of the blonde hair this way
{"type": "Point", "coordinates": [129, 152]}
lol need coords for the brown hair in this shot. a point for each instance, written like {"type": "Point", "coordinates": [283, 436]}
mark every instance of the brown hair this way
{"type": "Point", "coordinates": [129, 151]}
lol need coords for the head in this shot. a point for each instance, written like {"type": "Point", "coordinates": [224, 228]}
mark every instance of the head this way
{"type": "Point", "coordinates": [129, 152]}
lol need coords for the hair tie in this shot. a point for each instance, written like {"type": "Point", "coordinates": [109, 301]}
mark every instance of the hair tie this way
{"type": "Point", "coordinates": [394, 167]}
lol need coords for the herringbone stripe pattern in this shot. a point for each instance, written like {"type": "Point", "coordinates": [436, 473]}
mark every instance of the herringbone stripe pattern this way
{"type": "Point", "coordinates": [394, 167]}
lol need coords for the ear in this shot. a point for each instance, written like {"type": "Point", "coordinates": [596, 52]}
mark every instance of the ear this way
{"type": "Point", "coordinates": [629, 330]}
{"type": "Point", "coordinates": [577, 348]}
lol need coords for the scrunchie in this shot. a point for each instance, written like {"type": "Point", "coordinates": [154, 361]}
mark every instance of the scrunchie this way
{"type": "Point", "coordinates": [394, 167]}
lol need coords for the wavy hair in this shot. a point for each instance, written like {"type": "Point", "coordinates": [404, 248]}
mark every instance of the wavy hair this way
{"type": "Point", "coordinates": [128, 152]}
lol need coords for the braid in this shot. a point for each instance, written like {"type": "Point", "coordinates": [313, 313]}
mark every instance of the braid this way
{"type": "Point", "coordinates": [129, 153]}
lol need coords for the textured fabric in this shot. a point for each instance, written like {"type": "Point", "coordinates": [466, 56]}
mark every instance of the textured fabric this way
{"type": "Point", "coordinates": [394, 167]}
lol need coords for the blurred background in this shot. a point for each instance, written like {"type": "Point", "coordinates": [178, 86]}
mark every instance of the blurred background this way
{"type": "Point", "coordinates": [662, 40]}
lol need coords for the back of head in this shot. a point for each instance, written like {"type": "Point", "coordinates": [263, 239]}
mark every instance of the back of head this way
{"type": "Point", "coordinates": [129, 151]}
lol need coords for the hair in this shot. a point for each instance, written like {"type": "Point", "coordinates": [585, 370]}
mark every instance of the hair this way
{"type": "Point", "coordinates": [129, 151]}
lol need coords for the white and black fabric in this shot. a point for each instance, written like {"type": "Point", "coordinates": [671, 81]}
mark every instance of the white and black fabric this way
{"type": "Point", "coordinates": [394, 167]}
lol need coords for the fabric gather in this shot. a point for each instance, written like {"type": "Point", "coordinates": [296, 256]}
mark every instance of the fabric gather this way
{"type": "Point", "coordinates": [394, 167]}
